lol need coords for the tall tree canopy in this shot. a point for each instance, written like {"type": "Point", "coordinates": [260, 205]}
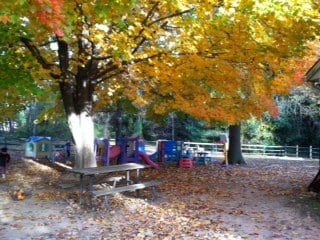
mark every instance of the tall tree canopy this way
{"type": "Point", "coordinates": [215, 60]}
{"type": "Point", "coordinates": [238, 57]}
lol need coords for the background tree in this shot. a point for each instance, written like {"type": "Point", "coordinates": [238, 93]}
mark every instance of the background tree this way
{"type": "Point", "coordinates": [299, 121]}
{"type": "Point", "coordinates": [259, 131]}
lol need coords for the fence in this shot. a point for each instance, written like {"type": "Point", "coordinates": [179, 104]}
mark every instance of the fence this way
{"type": "Point", "coordinates": [16, 147]}
{"type": "Point", "coordinates": [255, 150]}
{"type": "Point", "coordinates": [282, 151]}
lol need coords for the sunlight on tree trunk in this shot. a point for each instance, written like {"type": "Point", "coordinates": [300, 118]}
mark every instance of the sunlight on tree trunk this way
{"type": "Point", "coordinates": [82, 129]}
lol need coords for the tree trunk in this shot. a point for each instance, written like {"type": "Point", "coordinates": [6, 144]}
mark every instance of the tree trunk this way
{"type": "Point", "coordinates": [80, 121]}
{"type": "Point", "coordinates": [106, 131]}
{"type": "Point", "coordinates": [235, 154]}
{"type": "Point", "coordinates": [76, 88]}
{"type": "Point", "coordinates": [82, 129]}
{"type": "Point", "coordinates": [118, 116]}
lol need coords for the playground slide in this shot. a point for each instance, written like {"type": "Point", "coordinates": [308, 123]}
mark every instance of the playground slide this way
{"type": "Point", "coordinates": [154, 156]}
{"type": "Point", "coordinates": [147, 160]}
{"type": "Point", "coordinates": [115, 151]}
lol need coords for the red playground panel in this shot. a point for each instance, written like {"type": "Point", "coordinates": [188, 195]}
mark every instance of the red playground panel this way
{"type": "Point", "coordinates": [186, 163]}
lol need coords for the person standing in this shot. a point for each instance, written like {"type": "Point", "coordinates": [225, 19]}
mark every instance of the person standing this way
{"type": "Point", "coordinates": [4, 161]}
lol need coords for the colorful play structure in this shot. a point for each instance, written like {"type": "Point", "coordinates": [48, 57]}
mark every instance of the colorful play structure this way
{"type": "Point", "coordinates": [132, 149]}
{"type": "Point", "coordinates": [127, 151]}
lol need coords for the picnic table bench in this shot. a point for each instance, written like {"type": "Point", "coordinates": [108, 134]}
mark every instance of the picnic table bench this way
{"type": "Point", "coordinates": [131, 186]}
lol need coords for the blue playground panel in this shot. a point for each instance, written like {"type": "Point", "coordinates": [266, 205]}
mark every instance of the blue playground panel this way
{"type": "Point", "coordinates": [170, 150]}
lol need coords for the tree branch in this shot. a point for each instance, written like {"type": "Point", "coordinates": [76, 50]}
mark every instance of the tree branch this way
{"type": "Point", "coordinates": [36, 53]}
{"type": "Point", "coordinates": [150, 13]}
{"type": "Point", "coordinates": [63, 56]}
{"type": "Point", "coordinates": [170, 16]}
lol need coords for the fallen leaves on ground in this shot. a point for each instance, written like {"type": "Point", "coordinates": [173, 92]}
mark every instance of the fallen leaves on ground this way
{"type": "Point", "coordinates": [266, 199]}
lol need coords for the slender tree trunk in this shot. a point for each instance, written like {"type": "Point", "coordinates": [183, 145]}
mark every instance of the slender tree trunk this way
{"type": "Point", "coordinates": [106, 131]}
{"type": "Point", "coordinates": [118, 116]}
{"type": "Point", "coordinates": [235, 154]}
{"type": "Point", "coordinates": [138, 127]}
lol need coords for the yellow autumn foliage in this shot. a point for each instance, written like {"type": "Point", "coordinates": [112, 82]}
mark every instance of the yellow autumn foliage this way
{"type": "Point", "coordinates": [215, 60]}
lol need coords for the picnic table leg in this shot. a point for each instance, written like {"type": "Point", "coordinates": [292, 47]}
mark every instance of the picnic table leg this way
{"type": "Point", "coordinates": [90, 190]}
{"type": "Point", "coordinates": [107, 203]}
{"type": "Point", "coordinates": [138, 175]}
{"type": "Point", "coordinates": [138, 181]}
{"type": "Point", "coordinates": [128, 177]}
{"type": "Point", "coordinates": [154, 191]}
{"type": "Point", "coordinates": [81, 188]}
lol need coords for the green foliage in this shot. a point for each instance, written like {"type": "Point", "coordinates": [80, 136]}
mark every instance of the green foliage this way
{"type": "Point", "coordinates": [28, 123]}
{"type": "Point", "coordinates": [17, 84]}
{"type": "Point", "coordinates": [99, 130]}
{"type": "Point", "coordinates": [258, 131]}
{"type": "Point", "coordinates": [299, 122]}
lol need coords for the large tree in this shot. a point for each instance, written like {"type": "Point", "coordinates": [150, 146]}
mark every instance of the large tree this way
{"type": "Point", "coordinates": [240, 55]}
{"type": "Point", "coordinates": [84, 50]}
{"type": "Point", "coordinates": [215, 60]}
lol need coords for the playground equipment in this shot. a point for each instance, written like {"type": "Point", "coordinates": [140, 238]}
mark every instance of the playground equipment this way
{"type": "Point", "coordinates": [148, 161]}
{"type": "Point", "coordinates": [128, 151]}
{"type": "Point", "coordinates": [101, 147]}
{"type": "Point", "coordinates": [186, 163]}
{"type": "Point", "coordinates": [105, 152]}
{"type": "Point", "coordinates": [225, 141]}
{"type": "Point", "coordinates": [38, 147]}
{"type": "Point", "coordinates": [226, 160]}
{"type": "Point", "coordinates": [169, 151]}
{"type": "Point", "coordinates": [114, 152]}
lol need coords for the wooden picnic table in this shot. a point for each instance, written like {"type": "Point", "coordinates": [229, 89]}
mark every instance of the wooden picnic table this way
{"type": "Point", "coordinates": [92, 172]}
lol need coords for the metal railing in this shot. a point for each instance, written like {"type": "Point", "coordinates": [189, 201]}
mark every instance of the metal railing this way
{"type": "Point", "coordinates": [255, 150]}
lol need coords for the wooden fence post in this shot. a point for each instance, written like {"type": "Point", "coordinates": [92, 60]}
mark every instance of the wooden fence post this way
{"type": "Point", "coordinates": [285, 150]}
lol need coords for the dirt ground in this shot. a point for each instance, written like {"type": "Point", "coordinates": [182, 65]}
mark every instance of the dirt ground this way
{"type": "Point", "coordinates": [265, 199]}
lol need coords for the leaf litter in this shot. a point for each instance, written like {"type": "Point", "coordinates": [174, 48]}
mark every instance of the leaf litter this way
{"type": "Point", "coordinates": [265, 199]}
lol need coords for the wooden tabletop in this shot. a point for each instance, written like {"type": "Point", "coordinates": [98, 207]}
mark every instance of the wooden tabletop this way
{"type": "Point", "coordinates": [109, 169]}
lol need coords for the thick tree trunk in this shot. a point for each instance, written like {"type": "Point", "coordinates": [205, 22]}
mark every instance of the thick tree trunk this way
{"type": "Point", "coordinates": [82, 129]}
{"type": "Point", "coordinates": [235, 154]}
{"type": "Point", "coordinates": [76, 88]}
